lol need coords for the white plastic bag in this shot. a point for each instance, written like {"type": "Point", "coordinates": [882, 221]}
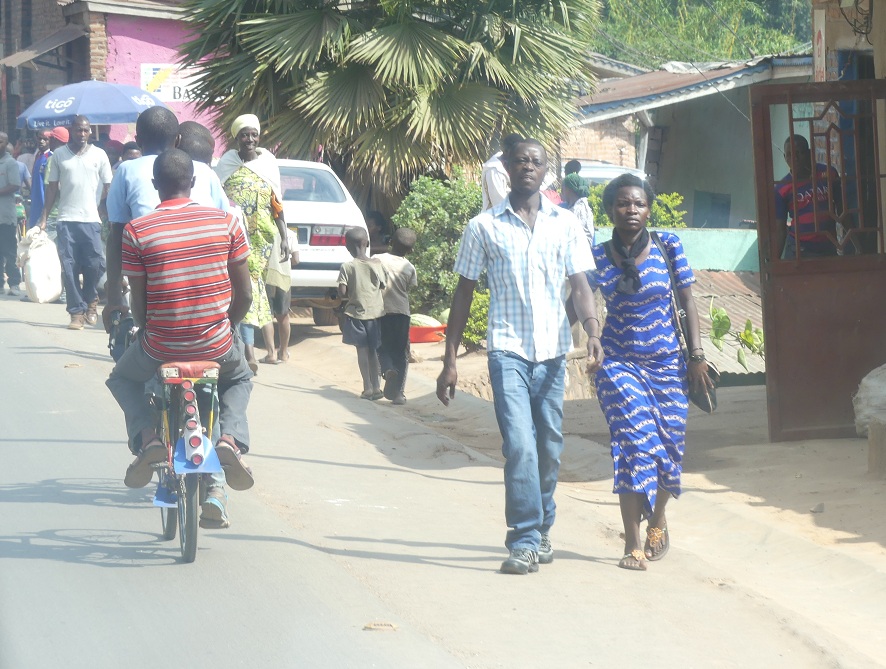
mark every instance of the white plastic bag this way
{"type": "Point", "coordinates": [42, 270]}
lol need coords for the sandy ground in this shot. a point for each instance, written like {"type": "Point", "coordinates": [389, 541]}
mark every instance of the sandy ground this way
{"type": "Point", "coordinates": [795, 528]}
{"type": "Point", "coordinates": [727, 453]}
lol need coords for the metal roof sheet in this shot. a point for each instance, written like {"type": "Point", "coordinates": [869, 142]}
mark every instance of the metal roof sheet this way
{"type": "Point", "coordinates": [60, 37]}
{"type": "Point", "coordinates": [739, 294]}
{"type": "Point", "coordinates": [683, 81]}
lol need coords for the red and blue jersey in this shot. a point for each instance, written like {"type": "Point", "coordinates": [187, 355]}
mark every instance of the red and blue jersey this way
{"type": "Point", "coordinates": [813, 204]}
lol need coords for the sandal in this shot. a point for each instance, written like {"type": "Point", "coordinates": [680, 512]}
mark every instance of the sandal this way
{"type": "Point", "coordinates": [634, 561]}
{"type": "Point", "coordinates": [657, 543]}
{"type": "Point", "coordinates": [372, 395]}
{"type": "Point", "coordinates": [270, 360]}
{"type": "Point", "coordinates": [237, 474]}
{"type": "Point", "coordinates": [140, 472]}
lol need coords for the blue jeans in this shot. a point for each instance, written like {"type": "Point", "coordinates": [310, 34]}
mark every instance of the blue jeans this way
{"type": "Point", "coordinates": [528, 399]}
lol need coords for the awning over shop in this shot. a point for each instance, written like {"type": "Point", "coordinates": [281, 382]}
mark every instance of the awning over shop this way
{"type": "Point", "coordinates": [67, 34]}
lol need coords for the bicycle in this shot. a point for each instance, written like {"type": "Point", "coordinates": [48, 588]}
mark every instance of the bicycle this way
{"type": "Point", "coordinates": [189, 391]}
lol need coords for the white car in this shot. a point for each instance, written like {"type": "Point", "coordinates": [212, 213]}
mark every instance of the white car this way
{"type": "Point", "coordinates": [598, 172]}
{"type": "Point", "coordinates": [318, 207]}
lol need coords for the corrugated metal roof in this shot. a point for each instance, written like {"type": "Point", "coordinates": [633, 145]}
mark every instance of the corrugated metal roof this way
{"type": "Point", "coordinates": [606, 66]}
{"type": "Point", "coordinates": [59, 38]}
{"type": "Point", "coordinates": [739, 294]}
{"type": "Point", "coordinates": [683, 81]}
{"type": "Point", "coordinates": [655, 88]}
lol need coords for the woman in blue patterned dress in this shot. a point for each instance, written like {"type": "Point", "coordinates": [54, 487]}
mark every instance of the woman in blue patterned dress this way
{"type": "Point", "coordinates": [642, 385]}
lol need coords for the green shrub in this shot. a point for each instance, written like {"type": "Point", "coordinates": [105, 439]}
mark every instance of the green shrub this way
{"type": "Point", "coordinates": [666, 212]}
{"type": "Point", "coordinates": [478, 318]}
{"type": "Point", "coordinates": [438, 211]}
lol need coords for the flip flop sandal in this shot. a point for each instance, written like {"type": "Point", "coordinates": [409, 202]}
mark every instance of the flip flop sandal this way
{"type": "Point", "coordinates": [141, 471]}
{"type": "Point", "coordinates": [657, 543]}
{"type": "Point", "coordinates": [237, 475]}
{"type": "Point", "coordinates": [633, 561]}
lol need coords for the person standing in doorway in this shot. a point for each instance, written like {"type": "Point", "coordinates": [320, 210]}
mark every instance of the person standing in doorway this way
{"type": "Point", "coordinates": [528, 246]}
{"type": "Point", "coordinates": [78, 171]}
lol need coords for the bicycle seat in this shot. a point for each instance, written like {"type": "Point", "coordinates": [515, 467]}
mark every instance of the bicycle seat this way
{"type": "Point", "coordinates": [190, 369]}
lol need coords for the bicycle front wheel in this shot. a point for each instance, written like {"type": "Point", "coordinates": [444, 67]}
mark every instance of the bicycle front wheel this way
{"type": "Point", "coordinates": [188, 515]}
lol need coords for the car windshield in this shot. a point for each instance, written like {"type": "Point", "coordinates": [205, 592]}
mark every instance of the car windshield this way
{"type": "Point", "coordinates": [303, 184]}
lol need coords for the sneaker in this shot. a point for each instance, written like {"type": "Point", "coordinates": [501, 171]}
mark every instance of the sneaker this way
{"type": "Point", "coordinates": [213, 512]}
{"type": "Point", "coordinates": [13, 291]}
{"type": "Point", "coordinates": [545, 550]}
{"type": "Point", "coordinates": [392, 384]}
{"type": "Point", "coordinates": [92, 313]}
{"type": "Point", "coordinates": [521, 561]}
{"type": "Point", "coordinates": [139, 473]}
{"type": "Point", "coordinates": [78, 321]}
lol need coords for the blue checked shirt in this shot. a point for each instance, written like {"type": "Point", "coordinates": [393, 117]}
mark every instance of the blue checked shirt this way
{"type": "Point", "coordinates": [527, 270]}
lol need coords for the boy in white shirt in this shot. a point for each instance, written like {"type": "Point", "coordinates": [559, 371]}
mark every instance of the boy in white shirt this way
{"type": "Point", "coordinates": [393, 353]}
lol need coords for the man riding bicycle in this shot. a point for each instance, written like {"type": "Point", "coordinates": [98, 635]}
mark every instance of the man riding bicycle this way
{"type": "Point", "coordinates": [189, 282]}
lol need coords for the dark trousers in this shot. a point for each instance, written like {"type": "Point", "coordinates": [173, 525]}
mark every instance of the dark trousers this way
{"type": "Point", "coordinates": [394, 350]}
{"type": "Point", "coordinates": [8, 249]}
{"type": "Point", "coordinates": [80, 250]}
{"type": "Point", "coordinates": [136, 367]}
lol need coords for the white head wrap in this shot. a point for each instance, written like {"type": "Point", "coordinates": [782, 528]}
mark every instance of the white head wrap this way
{"type": "Point", "coordinates": [245, 121]}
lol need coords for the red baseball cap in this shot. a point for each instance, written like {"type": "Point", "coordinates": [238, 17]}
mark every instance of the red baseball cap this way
{"type": "Point", "coordinates": [60, 133]}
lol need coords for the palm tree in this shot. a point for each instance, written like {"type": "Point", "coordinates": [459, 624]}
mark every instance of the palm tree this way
{"type": "Point", "coordinates": [393, 88]}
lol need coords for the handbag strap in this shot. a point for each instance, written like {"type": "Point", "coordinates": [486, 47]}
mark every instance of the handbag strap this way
{"type": "Point", "coordinates": [677, 312]}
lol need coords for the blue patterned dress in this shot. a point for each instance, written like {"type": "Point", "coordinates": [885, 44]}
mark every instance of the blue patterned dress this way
{"type": "Point", "coordinates": [642, 384]}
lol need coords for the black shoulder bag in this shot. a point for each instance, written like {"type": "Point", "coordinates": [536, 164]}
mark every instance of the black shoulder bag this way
{"type": "Point", "coordinates": [703, 398]}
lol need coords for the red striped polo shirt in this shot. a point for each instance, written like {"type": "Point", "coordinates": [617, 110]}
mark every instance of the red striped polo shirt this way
{"type": "Point", "coordinates": [183, 249]}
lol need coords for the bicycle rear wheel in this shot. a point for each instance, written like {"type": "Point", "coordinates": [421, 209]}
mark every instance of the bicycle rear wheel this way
{"type": "Point", "coordinates": [188, 515]}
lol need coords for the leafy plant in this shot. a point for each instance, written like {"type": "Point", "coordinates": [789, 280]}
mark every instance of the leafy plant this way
{"type": "Point", "coordinates": [478, 318]}
{"type": "Point", "coordinates": [750, 338]}
{"type": "Point", "coordinates": [651, 32]}
{"type": "Point", "coordinates": [392, 89]}
{"type": "Point", "coordinates": [438, 210]}
{"type": "Point", "coordinates": [666, 212]}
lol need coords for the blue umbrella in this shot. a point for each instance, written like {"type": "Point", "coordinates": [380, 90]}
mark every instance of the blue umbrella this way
{"type": "Point", "coordinates": [102, 103]}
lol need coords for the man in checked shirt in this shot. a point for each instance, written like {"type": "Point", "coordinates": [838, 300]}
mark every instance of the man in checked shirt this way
{"type": "Point", "coordinates": [528, 246]}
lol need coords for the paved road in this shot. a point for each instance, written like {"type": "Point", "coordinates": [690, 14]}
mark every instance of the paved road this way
{"type": "Point", "coordinates": [360, 515]}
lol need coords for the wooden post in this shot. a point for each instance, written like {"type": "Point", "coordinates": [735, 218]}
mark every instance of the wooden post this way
{"type": "Point", "coordinates": [877, 449]}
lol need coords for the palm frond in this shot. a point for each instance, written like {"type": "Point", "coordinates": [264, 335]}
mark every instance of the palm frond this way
{"type": "Point", "coordinates": [298, 40]}
{"type": "Point", "coordinates": [342, 101]}
{"type": "Point", "coordinates": [408, 53]}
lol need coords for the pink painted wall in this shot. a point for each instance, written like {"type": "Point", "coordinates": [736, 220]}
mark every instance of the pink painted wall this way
{"type": "Point", "coordinates": [133, 41]}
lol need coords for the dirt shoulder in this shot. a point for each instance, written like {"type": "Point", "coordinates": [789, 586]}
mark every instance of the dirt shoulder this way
{"type": "Point", "coordinates": [727, 453]}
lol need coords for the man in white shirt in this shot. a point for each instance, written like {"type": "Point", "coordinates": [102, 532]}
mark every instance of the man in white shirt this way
{"type": "Point", "coordinates": [79, 178]}
{"type": "Point", "coordinates": [495, 182]}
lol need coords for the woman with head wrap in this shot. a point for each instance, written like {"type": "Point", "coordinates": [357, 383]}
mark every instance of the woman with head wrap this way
{"type": "Point", "coordinates": [643, 381]}
{"type": "Point", "coordinates": [251, 179]}
{"type": "Point", "coordinates": [575, 195]}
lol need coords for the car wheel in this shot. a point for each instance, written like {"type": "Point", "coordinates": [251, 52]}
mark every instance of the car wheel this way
{"type": "Point", "coordinates": [324, 317]}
